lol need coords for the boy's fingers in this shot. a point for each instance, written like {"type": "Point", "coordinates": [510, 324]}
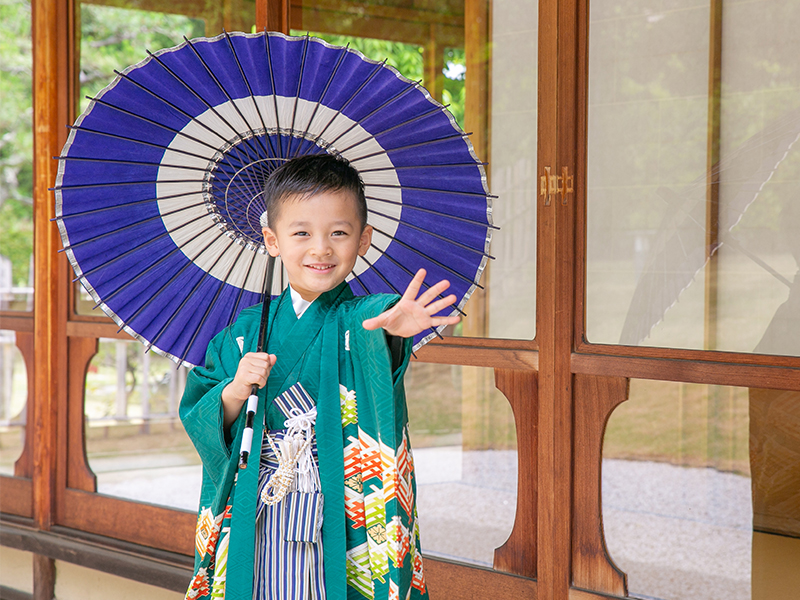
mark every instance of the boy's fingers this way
{"type": "Point", "coordinates": [433, 291]}
{"type": "Point", "coordinates": [373, 323]}
{"type": "Point", "coordinates": [413, 287]}
{"type": "Point", "coordinates": [435, 307]}
{"type": "Point", "coordinates": [436, 321]}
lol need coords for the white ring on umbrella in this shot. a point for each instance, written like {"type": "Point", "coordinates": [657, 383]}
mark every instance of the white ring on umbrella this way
{"type": "Point", "coordinates": [217, 259]}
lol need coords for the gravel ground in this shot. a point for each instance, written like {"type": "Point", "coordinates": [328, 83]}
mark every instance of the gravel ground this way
{"type": "Point", "coordinates": [677, 532]}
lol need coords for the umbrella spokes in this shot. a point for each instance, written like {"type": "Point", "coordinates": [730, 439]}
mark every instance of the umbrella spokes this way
{"type": "Point", "coordinates": [324, 93]}
{"type": "Point", "coordinates": [352, 97]}
{"type": "Point", "coordinates": [443, 238]}
{"type": "Point", "coordinates": [170, 163]}
{"type": "Point", "coordinates": [236, 132]}
{"type": "Point", "coordinates": [297, 93]}
{"type": "Point", "coordinates": [414, 119]}
{"type": "Point", "coordinates": [225, 92]}
{"type": "Point", "coordinates": [423, 256]}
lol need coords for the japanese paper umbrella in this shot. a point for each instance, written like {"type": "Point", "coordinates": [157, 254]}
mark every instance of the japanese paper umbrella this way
{"type": "Point", "coordinates": [159, 189]}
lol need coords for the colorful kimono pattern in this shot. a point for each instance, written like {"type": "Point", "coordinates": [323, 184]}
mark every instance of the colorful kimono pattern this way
{"type": "Point", "coordinates": [370, 536]}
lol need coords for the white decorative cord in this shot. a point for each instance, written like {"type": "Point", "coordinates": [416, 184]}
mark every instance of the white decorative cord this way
{"type": "Point", "coordinates": [295, 460]}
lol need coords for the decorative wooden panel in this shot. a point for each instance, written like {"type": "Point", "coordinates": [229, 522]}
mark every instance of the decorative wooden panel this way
{"type": "Point", "coordinates": [595, 399]}
{"type": "Point", "coordinates": [136, 522]}
{"type": "Point", "coordinates": [452, 581]}
{"type": "Point", "coordinates": [16, 496]}
{"type": "Point", "coordinates": [518, 554]}
{"type": "Point", "coordinates": [79, 475]}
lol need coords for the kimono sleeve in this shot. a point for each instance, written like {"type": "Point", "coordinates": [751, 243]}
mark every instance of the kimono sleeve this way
{"type": "Point", "coordinates": [201, 405]}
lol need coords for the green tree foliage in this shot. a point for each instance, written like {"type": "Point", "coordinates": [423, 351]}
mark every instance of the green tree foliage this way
{"type": "Point", "coordinates": [115, 38]}
{"type": "Point", "coordinates": [111, 38]}
{"type": "Point", "coordinates": [16, 138]}
{"type": "Point", "coordinates": [408, 60]}
{"type": "Point", "coordinates": [454, 92]}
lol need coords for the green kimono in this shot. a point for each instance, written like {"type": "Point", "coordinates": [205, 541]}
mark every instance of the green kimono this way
{"type": "Point", "coordinates": [369, 532]}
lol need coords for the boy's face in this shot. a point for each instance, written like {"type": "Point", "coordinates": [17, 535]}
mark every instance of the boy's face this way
{"type": "Point", "coordinates": [318, 240]}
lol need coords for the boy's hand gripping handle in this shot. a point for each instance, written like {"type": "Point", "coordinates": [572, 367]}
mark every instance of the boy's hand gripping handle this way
{"type": "Point", "coordinates": [247, 434]}
{"type": "Point", "coordinates": [252, 400]}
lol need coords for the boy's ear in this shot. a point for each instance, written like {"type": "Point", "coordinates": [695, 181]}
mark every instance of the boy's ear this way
{"type": "Point", "coordinates": [365, 240]}
{"type": "Point", "coordinates": [271, 242]}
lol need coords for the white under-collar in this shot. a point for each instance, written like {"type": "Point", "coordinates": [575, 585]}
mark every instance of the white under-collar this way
{"type": "Point", "coordinates": [298, 303]}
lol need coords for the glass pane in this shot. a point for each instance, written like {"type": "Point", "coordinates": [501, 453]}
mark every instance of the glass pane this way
{"type": "Point", "coordinates": [692, 203]}
{"type": "Point", "coordinates": [428, 42]}
{"type": "Point", "coordinates": [16, 157]}
{"type": "Point", "coordinates": [135, 442]}
{"type": "Point", "coordinates": [114, 38]}
{"type": "Point", "coordinates": [701, 491]}
{"type": "Point", "coordinates": [514, 68]}
{"type": "Point", "coordinates": [13, 401]}
{"type": "Point", "coordinates": [465, 456]}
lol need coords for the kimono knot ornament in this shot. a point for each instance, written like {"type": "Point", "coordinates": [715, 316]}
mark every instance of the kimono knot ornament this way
{"type": "Point", "coordinates": [296, 467]}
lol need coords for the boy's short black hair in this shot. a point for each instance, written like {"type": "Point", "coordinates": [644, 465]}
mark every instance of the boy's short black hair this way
{"type": "Point", "coordinates": [308, 175]}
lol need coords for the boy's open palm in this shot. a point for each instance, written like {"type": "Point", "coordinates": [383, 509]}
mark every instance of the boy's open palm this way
{"type": "Point", "coordinates": [412, 315]}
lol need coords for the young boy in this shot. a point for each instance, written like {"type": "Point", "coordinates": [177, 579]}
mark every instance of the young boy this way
{"type": "Point", "coordinates": [330, 511]}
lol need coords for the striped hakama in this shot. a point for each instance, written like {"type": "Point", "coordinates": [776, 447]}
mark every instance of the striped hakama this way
{"type": "Point", "coordinates": [288, 551]}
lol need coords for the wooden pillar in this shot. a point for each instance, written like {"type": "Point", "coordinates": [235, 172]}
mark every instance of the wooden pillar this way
{"type": "Point", "coordinates": [433, 65]}
{"type": "Point", "coordinates": [555, 281]}
{"type": "Point", "coordinates": [52, 101]}
{"type": "Point", "coordinates": [44, 577]}
{"type": "Point", "coordinates": [273, 15]}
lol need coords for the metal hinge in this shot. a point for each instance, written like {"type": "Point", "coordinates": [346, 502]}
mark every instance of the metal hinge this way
{"type": "Point", "coordinates": [550, 185]}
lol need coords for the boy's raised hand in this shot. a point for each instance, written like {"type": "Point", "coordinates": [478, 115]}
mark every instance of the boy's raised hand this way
{"type": "Point", "coordinates": [412, 315]}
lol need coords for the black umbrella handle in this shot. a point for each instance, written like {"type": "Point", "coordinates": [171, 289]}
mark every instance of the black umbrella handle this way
{"type": "Point", "coordinates": [252, 400]}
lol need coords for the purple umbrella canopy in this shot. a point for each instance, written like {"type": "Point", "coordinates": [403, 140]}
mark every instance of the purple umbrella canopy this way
{"type": "Point", "coordinates": [160, 184]}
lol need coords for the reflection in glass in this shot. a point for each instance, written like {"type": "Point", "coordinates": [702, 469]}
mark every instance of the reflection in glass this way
{"type": "Point", "coordinates": [691, 197]}
{"type": "Point", "coordinates": [135, 442]}
{"type": "Point", "coordinates": [677, 510]}
{"type": "Point", "coordinates": [464, 444]}
{"type": "Point", "coordinates": [701, 491]}
{"type": "Point", "coordinates": [13, 399]}
{"type": "Point", "coordinates": [427, 41]}
{"type": "Point", "coordinates": [16, 157]}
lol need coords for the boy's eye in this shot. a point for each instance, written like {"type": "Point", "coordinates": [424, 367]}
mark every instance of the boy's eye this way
{"type": "Point", "coordinates": [339, 233]}
{"type": "Point", "coordinates": [300, 233]}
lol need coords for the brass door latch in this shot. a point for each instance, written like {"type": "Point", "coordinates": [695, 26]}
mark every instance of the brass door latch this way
{"type": "Point", "coordinates": [550, 185]}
